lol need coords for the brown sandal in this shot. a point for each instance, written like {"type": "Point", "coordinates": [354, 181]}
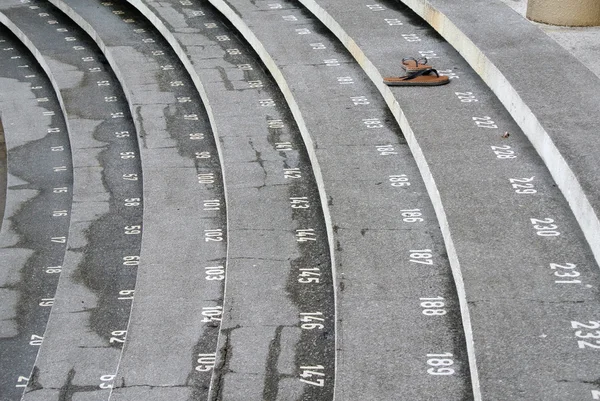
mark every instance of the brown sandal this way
{"type": "Point", "coordinates": [410, 64]}
{"type": "Point", "coordinates": [418, 78]}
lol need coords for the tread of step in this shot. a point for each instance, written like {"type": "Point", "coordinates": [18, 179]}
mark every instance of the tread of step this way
{"type": "Point", "coordinates": [262, 150]}
{"type": "Point", "coordinates": [89, 314]}
{"type": "Point", "coordinates": [552, 96]}
{"type": "Point", "coordinates": [363, 181]}
{"type": "Point", "coordinates": [523, 238]}
{"type": "Point", "coordinates": [38, 203]}
{"type": "Point", "coordinates": [493, 213]}
{"type": "Point", "coordinates": [181, 232]}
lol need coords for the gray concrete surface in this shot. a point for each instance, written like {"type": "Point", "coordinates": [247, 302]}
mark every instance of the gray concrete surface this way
{"type": "Point", "coordinates": [261, 335]}
{"type": "Point", "coordinates": [38, 202]}
{"type": "Point", "coordinates": [581, 42]}
{"type": "Point", "coordinates": [555, 113]}
{"type": "Point", "coordinates": [3, 173]}
{"type": "Point", "coordinates": [85, 327]}
{"type": "Point", "coordinates": [378, 285]}
{"type": "Point", "coordinates": [490, 229]}
{"type": "Point", "coordinates": [180, 231]}
{"type": "Point", "coordinates": [519, 303]}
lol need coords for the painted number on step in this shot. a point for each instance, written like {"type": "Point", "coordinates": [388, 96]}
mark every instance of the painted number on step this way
{"type": "Point", "coordinates": [422, 256]}
{"type": "Point", "coordinates": [433, 306]}
{"type": "Point", "coordinates": [372, 122]}
{"type": "Point", "coordinates": [399, 180]}
{"type": "Point", "coordinates": [213, 235]}
{"type": "Point", "coordinates": [412, 215]}
{"type": "Point", "coordinates": [523, 185]}
{"type": "Point", "coordinates": [466, 97]}
{"type": "Point", "coordinates": [484, 122]}
{"type": "Point", "coordinates": [314, 373]}
{"type": "Point", "coordinates": [429, 54]}
{"type": "Point", "coordinates": [392, 21]}
{"type": "Point", "coordinates": [545, 227]}
{"type": "Point", "coordinates": [565, 273]}
{"type": "Point", "coordinates": [375, 7]}
{"type": "Point", "coordinates": [214, 273]}
{"type": "Point", "coordinates": [448, 73]}
{"type": "Point", "coordinates": [309, 275]}
{"type": "Point", "coordinates": [305, 235]}
{"type": "Point", "coordinates": [386, 150]}
{"type": "Point", "coordinates": [311, 320]}
{"type": "Point", "coordinates": [411, 37]}
{"type": "Point", "coordinates": [588, 332]}
{"type": "Point", "coordinates": [206, 362]}
{"type": "Point", "coordinates": [440, 364]}
{"type": "Point", "coordinates": [504, 152]}
{"type": "Point", "coordinates": [300, 202]}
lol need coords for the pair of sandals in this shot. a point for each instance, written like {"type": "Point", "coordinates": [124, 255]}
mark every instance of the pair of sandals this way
{"type": "Point", "coordinates": [418, 73]}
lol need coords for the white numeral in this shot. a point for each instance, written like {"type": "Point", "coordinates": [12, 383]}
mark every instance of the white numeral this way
{"type": "Point", "coordinates": [422, 256]}
{"type": "Point", "coordinates": [310, 371]}
{"type": "Point", "coordinates": [212, 204]}
{"type": "Point", "coordinates": [440, 363]}
{"type": "Point", "coordinates": [411, 215]}
{"type": "Point", "coordinates": [433, 306]}
{"type": "Point", "coordinates": [215, 273]}
{"type": "Point", "coordinates": [484, 122]}
{"type": "Point", "coordinates": [213, 235]}
{"type": "Point", "coordinates": [544, 227]}
{"type": "Point", "coordinates": [305, 234]}
{"type": "Point", "coordinates": [206, 362]}
{"type": "Point", "coordinates": [309, 319]}
{"type": "Point", "coordinates": [292, 173]}
{"type": "Point", "coordinates": [400, 180]}
{"type": "Point", "coordinates": [375, 7]}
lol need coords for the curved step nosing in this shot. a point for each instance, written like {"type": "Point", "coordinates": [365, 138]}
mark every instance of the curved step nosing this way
{"type": "Point", "coordinates": [4, 20]}
{"type": "Point", "coordinates": [426, 174]}
{"type": "Point", "coordinates": [249, 36]}
{"type": "Point", "coordinates": [560, 170]}
{"type": "Point", "coordinates": [4, 191]}
{"type": "Point", "coordinates": [183, 58]}
{"type": "Point", "coordinates": [143, 9]}
{"type": "Point", "coordinates": [83, 24]}
{"type": "Point", "coordinates": [86, 27]}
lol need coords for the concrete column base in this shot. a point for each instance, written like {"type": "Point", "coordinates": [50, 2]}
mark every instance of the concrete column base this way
{"type": "Point", "coordinates": [565, 12]}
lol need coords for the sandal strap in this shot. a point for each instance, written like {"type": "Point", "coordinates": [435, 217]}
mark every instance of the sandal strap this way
{"type": "Point", "coordinates": [418, 61]}
{"type": "Point", "coordinates": [416, 74]}
{"type": "Point", "coordinates": [411, 59]}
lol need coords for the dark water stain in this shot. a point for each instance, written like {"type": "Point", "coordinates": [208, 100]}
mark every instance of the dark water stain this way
{"type": "Point", "coordinates": [3, 174]}
{"type": "Point", "coordinates": [41, 222]}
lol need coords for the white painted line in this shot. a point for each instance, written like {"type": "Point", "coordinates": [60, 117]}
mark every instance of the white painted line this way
{"type": "Point", "coordinates": [170, 38]}
{"type": "Point", "coordinates": [199, 87]}
{"type": "Point", "coordinates": [423, 166]}
{"type": "Point", "coordinates": [560, 170]}
{"type": "Point", "coordinates": [241, 26]}
{"type": "Point", "coordinates": [94, 35]}
{"type": "Point", "coordinates": [4, 20]}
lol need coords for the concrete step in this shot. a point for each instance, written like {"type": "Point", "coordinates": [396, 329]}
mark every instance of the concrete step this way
{"type": "Point", "coordinates": [390, 255]}
{"type": "Point", "coordinates": [551, 95]}
{"type": "Point", "coordinates": [502, 238]}
{"type": "Point", "coordinates": [185, 221]}
{"type": "Point", "coordinates": [82, 342]}
{"type": "Point", "coordinates": [38, 201]}
{"type": "Point", "coordinates": [279, 302]}
{"type": "Point", "coordinates": [450, 265]}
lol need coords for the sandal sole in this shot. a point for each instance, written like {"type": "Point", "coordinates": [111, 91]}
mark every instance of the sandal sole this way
{"type": "Point", "coordinates": [416, 83]}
